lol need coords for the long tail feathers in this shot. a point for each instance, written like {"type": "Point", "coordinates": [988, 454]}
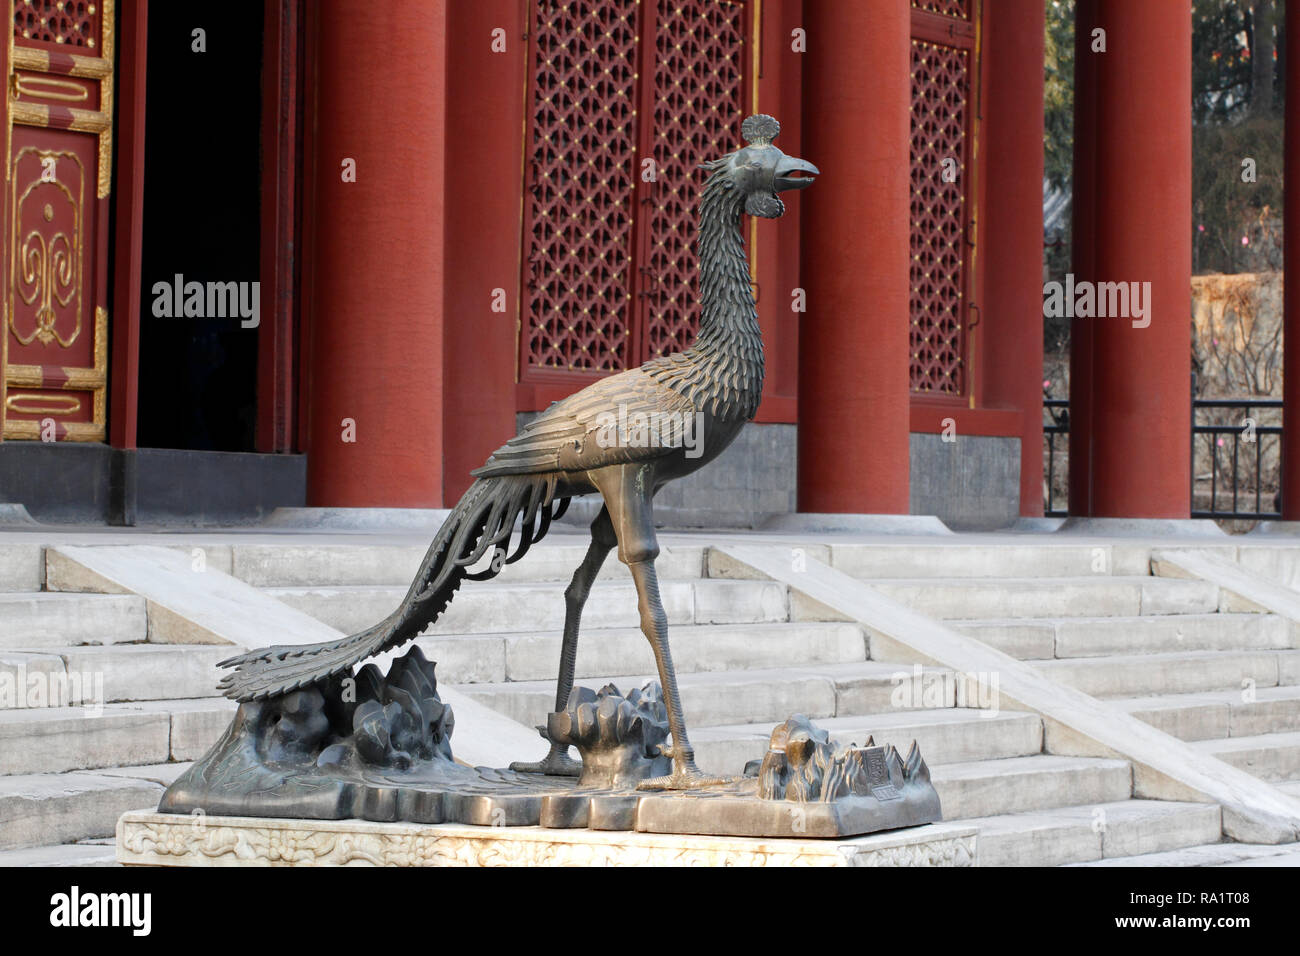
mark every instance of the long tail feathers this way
{"type": "Point", "coordinates": [484, 518]}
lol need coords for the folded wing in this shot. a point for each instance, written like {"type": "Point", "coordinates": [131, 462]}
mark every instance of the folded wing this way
{"type": "Point", "coordinates": [627, 417]}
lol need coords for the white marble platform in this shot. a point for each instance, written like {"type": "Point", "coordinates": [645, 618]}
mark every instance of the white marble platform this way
{"type": "Point", "coordinates": [148, 838]}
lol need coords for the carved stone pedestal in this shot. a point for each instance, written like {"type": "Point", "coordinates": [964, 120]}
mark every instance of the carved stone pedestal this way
{"type": "Point", "coordinates": [147, 838]}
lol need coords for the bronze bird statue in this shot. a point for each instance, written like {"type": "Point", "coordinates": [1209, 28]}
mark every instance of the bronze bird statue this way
{"type": "Point", "coordinates": [686, 408]}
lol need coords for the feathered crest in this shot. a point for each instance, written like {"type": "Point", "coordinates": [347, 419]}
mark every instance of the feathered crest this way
{"type": "Point", "coordinates": [757, 130]}
{"type": "Point", "coordinates": [760, 129]}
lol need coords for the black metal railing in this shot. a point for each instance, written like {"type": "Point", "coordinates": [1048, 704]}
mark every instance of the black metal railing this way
{"type": "Point", "coordinates": [1243, 482]}
{"type": "Point", "coordinates": [1057, 422]}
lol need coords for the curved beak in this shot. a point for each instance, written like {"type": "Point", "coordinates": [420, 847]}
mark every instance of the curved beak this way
{"type": "Point", "coordinates": [788, 173]}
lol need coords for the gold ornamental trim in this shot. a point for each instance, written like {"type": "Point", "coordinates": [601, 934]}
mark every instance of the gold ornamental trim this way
{"type": "Point", "coordinates": [38, 114]}
{"type": "Point", "coordinates": [4, 298]}
{"type": "Point", "coordinates": [25, 429]}
{"type": "Point", "coordinates": [104, 181]}
{"type": "Point", "coordinates": [33, 376]}
{"type": "Point", "coordinates": [50, 88]}
{"type": "Point", "coordinates": [43, 267]}
{"type": "Point", "coordinates": [99, 122]}
{"type": "Point", "coordinates": [100, 409]}
{"type": "Point", "coordinates": [34, 403]}
{"type": "Point", "coordinates": [87, 67]}
{"type": "Point", "coordinates": [71, 377]}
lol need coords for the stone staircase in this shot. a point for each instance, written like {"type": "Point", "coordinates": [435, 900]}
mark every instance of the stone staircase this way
{"type": "Point", "coordinates": [67, 771]}
{"type": "Point", "coordinates": [1183, 655]}
{"type": "Point", "coordinates": [749, 652]}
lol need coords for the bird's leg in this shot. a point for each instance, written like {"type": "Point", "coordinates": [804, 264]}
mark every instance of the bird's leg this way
{"type": "Point", "coordinates": [654, 622]}
{"type": "Point", "coordinates": [558, 761]}
{"type": "Point", "coordinates": [629, 491]}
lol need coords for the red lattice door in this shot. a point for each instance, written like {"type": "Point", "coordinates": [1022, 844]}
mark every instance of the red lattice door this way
{"type": "Point", "coordinates": [609, 263]}
{"type": "Point", "coordinates": [59, 132]}
{"type": "Point", "coordinates": [696, 102]}
{"type": "Point", "coordinates": [942, 195]}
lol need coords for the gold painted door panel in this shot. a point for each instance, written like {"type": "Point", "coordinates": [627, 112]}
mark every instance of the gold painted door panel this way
{"type": "Point", "coordinates": [59, 133]}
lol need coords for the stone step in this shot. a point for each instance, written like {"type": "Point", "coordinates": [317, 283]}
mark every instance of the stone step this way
{"type": "Point", "coordinates": [22, 567]}
{"type": "Point", "coordinates": [60, 739]}
{"type": "Point", "coordinates": [1267, 756]}
{"type": "Point", "coordinates": [1040, 638]}
{"type": "Point", "coordinates": [754, 696]}
{"type": "Point", "coordinates": [118, 672]}
{"type": "Point", "coordinates": [494, 607]}
{"type": "Point", "coordinates": [1143, 675]}
{"type": "Point", "coordinates": [43, 809]}
{"type": "Point", "coordinates": [1211, 854]}
{"type": "Point", "coordinates": [63, 854]}
{"type": "Point", "coordinates": [1000, 560]}
{"type": "Point", "coordinates": [480, 658]}
{"type": "Point", "coordinates": [999, 598]}
{"type": "Point", "coordinates": [945, 735]}
{"type": "Point", "coordinates": [1290, 858]}
{"type": "Point", "coordinates": [1215, 715]}
{"type": "Point", "coordinates": [344, 565]}
{"type": "Point", "coordinates": [163, 774]}
{"type": "Point", "coordinates": [1094, 831]}
{"type": "Point", "coordinates": [42, 619]}
{"type": "Point", "coordinates": [984, 788]}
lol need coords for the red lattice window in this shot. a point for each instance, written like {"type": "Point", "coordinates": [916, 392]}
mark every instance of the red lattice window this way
{"type": "Point", "coordinates": [583, 144]}
{"type": "Point", "coordinates": [940, 120]}
{"type": "Point", "coordinates": [605, 284]}
{"type": "Point", "coordinates": [65, 22]}
{"type": "Point", "coordinates": [698, 107]}
{"type": "Point", "coordinates": [947, 8]}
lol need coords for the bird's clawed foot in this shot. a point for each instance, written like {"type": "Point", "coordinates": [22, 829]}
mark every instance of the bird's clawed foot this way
{"type": "Point", "coordinates": [557, 763]}
{"type": "Point", "coordinates": [685, 776]}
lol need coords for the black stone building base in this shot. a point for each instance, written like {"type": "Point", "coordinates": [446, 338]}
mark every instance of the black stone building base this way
{"type": "Point", "coordinates": [68, 482]}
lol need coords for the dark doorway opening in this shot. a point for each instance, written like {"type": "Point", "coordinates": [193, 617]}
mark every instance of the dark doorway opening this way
{"type": "Point", "coordinates": [198, 362]}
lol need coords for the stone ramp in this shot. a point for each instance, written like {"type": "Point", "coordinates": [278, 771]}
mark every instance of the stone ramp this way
{"type": "Point", "coordinates": [186, 601]}
{"type": "Point", "coordinates": [185, 605]}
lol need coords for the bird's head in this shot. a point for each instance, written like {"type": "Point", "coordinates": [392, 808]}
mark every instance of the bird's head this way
{"type": "Point", "coordinates": [759, 171]}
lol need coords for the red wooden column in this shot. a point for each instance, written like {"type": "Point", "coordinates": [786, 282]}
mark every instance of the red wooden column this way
{"type": "Point", "coordinates": [1291, 269]}
{"type": "Point", "coordinates": [376, 315]}
{"type": "Point", "coordinates": [853, 339]}
{"type": "Point", "coordinates": [482, 232]}
{"type": "Point", "coordinates": [1130, 409]}
{"type": "Point", "coordinates": [1013, 228]}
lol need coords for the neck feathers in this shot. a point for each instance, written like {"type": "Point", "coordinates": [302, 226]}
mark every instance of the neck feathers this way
{"type": "Point", "coordinates": [724, 369]}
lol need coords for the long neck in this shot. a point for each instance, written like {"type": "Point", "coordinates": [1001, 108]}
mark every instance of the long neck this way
{"type": "Point", "coordinates": [730, 343]}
